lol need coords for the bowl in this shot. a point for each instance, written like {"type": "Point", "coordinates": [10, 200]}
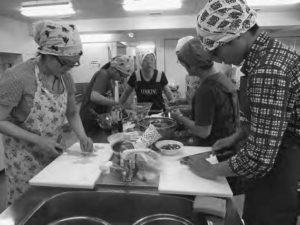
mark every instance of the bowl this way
{"type": "Point", "coordinates": [164, 125]}
{"type": "Point", "coordinates": [169, 147]}
{"type": "Point", "coordinates": [142, 109]}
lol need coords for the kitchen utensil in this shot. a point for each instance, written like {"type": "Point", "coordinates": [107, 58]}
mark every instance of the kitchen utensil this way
{"type": "Point", "coordinates": [165, 126]}
{"type": "Point", "coordinates": [142, 109]}
{"type": "Point", "coordinates": [169, 147]}
{"type": "Point", "coordinates": [105, 121]}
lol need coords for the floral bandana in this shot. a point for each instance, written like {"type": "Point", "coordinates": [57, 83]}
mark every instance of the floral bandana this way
{"type": "Point", "coordinates": [221, 21]}
{"type": "Point", "coordinates": [124, 64]}
{"type": "Point", "coordinates": [57, 39]}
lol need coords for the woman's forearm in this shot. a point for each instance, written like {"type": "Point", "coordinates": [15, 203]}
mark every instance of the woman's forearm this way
{"type": "Point", "coordinates": [168, 93]}
{"type": "Point", "coordinates": [76, 124]}
{"type": "Point", "coordinates": [10, 129]}
{"type": "Point", "coordinates": [101, 100]}
{"type": "Point", "coordinates": [202, 132]}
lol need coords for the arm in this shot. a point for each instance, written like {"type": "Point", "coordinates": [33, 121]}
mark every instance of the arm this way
{"type": "Point", "coordinates": [99, 87]}
{"type": "Point", "coordinates": [200, 131]}
{"type": "Point", "coordinates": [99, 99]}
{"type": "Point", "coordinates": [8, 128]}
{"type": "Point", "coordinates": [10, 96]}
{"type": "Point", "coordinates": [74, 118]}
{"type": "Point", "coordinates": [204, 109]}
{"type": "Point", "coordinates": [268, 101]}
{"type": "Point", "coordinates": [168, 93]}
{"type": "Point", "coordinates": [126, 94]}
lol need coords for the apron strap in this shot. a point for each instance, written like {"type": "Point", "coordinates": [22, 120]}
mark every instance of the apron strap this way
{"type": "Point", "coordinates": [158, 77]}
{"type": "Point", "coordinates": [138, 75]}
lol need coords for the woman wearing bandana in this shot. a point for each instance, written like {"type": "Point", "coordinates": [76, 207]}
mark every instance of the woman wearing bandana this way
{"type": "Point", "coordinates": [35, 99]}
{"type": "Point", "coordinates": [270, 100]}
{"type": "Point", "coordinates": [148, 83]}
{"type": "Point", "coordinates": [215, 107]}
{"type": "Point", "coordinates": [99, 98]}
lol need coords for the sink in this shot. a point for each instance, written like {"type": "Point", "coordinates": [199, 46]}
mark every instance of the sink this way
{"type": "Point", "coordinates": [114, 208]}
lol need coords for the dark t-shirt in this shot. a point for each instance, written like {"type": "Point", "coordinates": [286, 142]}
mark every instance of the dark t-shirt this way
{"type": "Point", "coordinates": [149, 91]}
{"type": "Point", "coordinates": [211, 105]}
{"type": "Point", "coordinates": [100, 83]}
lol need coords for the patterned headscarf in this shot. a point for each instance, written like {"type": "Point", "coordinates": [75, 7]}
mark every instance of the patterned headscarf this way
{"type": "Point", "coordinates": [193, 53]}
{"type": "Point", "coordinates": [123, 63]}
{"type": "Point", "coordinates": [221, 21]}
{"type": "Point", "coordinates": [181, 42]}
{"type": "Point", "coordinates": [56, 38]}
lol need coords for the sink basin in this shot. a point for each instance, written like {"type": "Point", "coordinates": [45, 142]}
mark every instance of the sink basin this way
{"type": "Point", "coordinates": [114, 208]}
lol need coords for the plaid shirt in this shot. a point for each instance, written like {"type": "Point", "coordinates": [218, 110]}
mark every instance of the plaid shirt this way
{"type": "Point", "coordinates": [273, 89]}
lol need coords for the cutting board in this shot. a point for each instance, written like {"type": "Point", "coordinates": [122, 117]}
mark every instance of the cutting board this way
{"type": "Point", "coordinates": [176, 178]}
{"type": "Point", "coordinates": [72, 169]}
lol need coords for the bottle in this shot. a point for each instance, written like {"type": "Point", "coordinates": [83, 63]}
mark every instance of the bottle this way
{"type": "Point", "coordinates": [120, 120]}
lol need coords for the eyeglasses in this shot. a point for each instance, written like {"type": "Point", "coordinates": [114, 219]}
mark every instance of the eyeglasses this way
{"type": "Point", "coordinates": [66, 63]}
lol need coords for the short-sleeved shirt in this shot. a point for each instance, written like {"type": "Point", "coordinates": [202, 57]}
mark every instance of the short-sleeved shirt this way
{"type": "Point", "coordinates": [149, 91]}
{"type": "Point", "coordinates": [213, 106]}
{"type": "Point", "coordinates": [100, 83]}
{"type": "Point", "coordinates": [18, 86]}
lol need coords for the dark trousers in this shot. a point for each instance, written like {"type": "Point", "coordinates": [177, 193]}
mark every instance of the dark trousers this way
{"type": "Point", "coordinates": [273, 199]}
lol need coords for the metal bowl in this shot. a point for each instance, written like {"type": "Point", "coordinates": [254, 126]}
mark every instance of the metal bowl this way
{"type": "Point", "coordinates": [164, 125]}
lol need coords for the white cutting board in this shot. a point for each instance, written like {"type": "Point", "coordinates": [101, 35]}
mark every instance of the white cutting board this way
{"type": "Point", "coordinates": [74, 170]}
{"type": "Point", "coordinates": [176, 178]}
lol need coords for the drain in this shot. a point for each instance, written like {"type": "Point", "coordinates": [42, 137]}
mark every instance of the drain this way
{"type": "Point", "coordinates": [163, 219]}
{"type": "Point", "coordinates": [79, 220]}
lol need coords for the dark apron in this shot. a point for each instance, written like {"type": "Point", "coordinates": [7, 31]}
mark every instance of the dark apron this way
{"type": "Point", "coordinates": [153, 85]}
{"type": "Point", "coordinates": [272, 199]}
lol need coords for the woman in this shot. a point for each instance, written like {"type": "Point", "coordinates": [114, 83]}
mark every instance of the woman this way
{"type": "Point", "coordinates": [35, 98]}
{"type": "Point", "coordinates": [148, 83]}
{"type": "Point", "coordinates": [214, 105]}
{"type": "Point", "coordinates": [99, 95]}
{"type": "Point", "coordinates": [215, 111]}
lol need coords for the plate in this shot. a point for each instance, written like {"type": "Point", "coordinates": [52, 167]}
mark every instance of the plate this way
{"type": "Point", "coordinates": [169, 147]}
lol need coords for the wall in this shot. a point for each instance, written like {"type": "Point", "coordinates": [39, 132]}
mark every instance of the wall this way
{"type": "Point", "coordinates": [95, 55]}
{"type": "Point", "coordinates": [15, 38]}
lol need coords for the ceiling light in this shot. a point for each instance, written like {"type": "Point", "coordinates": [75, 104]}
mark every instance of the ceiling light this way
{"type": "Point", "coordinates": [94, 38]}
{"type": "Point", "coordinates": [271, 2]}
{"type": "Point", "coordinates": [143, 5]}
{"type": "Point", "coordinates": [47, 8]}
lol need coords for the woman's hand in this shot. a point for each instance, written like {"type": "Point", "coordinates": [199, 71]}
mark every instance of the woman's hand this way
{"type": "Point", "coordinates": [50, 145]}
{"type": "Point", "coordinates": [200, 166]}
{"type": "Point", "coordinates": [177, 115]}
{"type": "Point", "coordinates": [86, 145]}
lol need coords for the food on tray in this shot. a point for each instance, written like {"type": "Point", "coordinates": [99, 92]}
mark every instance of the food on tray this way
{"type": "Point", "coordinates": [170, 147]}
